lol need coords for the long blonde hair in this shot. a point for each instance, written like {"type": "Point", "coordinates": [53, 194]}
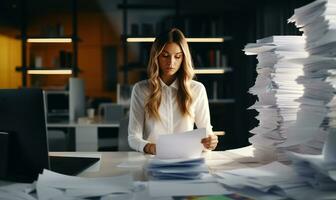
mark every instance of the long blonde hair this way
{"type": "Point", "coordinates": [184, 74]}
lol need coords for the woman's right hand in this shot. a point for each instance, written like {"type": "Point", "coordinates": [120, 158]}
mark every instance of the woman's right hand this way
{"type": "Point", "coordinates": [150, 148]}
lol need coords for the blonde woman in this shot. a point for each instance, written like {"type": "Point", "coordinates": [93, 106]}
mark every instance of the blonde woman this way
{"type": "Point", "coordinates": [169, 101]}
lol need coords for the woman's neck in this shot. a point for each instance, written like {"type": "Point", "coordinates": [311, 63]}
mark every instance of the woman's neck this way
{"type": "Point", "coordinates": [168, 80]}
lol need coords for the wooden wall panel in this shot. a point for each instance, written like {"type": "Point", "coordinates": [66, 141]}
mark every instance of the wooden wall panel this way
{"type": "Point", "coordinates": [10, 58]}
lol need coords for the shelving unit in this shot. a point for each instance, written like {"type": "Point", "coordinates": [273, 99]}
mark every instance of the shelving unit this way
{"type": "Point", "coordinates": [28, 41]}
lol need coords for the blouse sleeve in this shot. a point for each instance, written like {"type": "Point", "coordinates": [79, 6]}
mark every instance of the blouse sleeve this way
{"type": "Point", "coordinates": [136, 120]}
{"type": "Point", "coordinates": [202, 113]}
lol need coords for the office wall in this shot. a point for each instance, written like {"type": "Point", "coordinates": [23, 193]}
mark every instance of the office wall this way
{"type": "Point", "coordinates": [10, 58]}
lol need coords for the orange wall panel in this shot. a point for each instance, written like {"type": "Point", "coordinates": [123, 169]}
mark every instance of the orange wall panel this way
{"type": "Point", "coordinates": [10, 58]}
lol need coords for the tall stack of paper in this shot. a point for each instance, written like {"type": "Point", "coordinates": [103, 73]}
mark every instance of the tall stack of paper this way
{"type": "Point", "coordinates": [278, 92]}
{"type": "Point", "coordinates": [318, 23]}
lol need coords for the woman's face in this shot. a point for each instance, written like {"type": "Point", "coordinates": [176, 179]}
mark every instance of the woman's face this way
{"type": "Point", "coordinates": [170, 60]}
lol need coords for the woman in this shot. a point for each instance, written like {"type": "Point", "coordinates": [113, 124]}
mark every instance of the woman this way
{"type": "Point", "coordinates": [169, 101]}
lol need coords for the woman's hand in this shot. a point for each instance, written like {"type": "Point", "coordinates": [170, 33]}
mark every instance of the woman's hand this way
{"type": "Point", "coordinates": [150, 148]}
{"type": "Point", "coordinates": [210, 142]}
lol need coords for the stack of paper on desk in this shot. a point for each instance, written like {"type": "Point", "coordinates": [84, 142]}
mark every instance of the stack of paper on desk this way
{"type": "Point", "coordinates": [16, 191]}
{"type": "Point", "coordinates": [317, 21]}
{"type": "Point", "coordinates": [51, 185]}
{"type": "Point", "coordinates": [178, 169]}
{"type": "Point", "coordinates": [281, 99]}
{"type": "Point", "coordinates": [181, 162]}
{"type": "Point", "coordinates": [315, 170]}
{"type": "Point", "coordinates": [273, 178]}
{"type": "Point", "coordinates": [271, 181]}
{"type": "Point", "coordinates": [318, 170]}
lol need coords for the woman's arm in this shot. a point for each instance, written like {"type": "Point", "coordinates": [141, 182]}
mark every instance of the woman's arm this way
{"type": "Point", "coordinates": [202, 119]}
{"type": "Point", "coordinates": [136, 120]}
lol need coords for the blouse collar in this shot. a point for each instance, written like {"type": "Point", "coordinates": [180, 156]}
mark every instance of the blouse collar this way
{"type": "Point", "coordinates": [173, 85]}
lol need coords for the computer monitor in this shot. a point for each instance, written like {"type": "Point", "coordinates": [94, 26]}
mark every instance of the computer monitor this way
{"type": "Point", "coordinates": [57, 103]}
{"type": "Point", "coordinates": [22, 116]}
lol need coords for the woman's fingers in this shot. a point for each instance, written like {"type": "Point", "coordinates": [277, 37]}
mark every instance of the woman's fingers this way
{"type": "Point", "coordinates": [153, 149]}
{"type": "Point", "coordinates": [210, 142]}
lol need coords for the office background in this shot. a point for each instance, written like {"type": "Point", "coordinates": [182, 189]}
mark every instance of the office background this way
{"type": "Point", "coordinates": [97, 51]}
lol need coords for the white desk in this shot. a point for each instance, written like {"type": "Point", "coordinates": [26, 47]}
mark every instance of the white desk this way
{"type": "Point", "coordinates": [86, 134]}
{"type": "Point", "coordinates": [216, 160]}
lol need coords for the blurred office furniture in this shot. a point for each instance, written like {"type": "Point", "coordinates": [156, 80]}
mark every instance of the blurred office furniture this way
{"type": "Point", "coordinates": [62, 107]}
{"type": "Point", "coordinates": [123, 135]}
{"type": "Point", "coordinates": [57, 105]}
{"type": "Point", "coordinates": [84, 136]}
{"type": "Point", "coordinates": [76, 99]}
{"type": "Point", "coordinates": [108, 137]}
{"type": "Point", "coordinates": [110, 112]}
{"type": "Point", "coordinates": [124, 92]}
{"type": "Point", "coordinates": [58, 140]}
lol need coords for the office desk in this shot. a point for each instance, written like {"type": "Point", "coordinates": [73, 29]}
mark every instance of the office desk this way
{"type": "Point", "coordinates": [86, 134]}
{"type": "Point", "coordinates": [216, 160]}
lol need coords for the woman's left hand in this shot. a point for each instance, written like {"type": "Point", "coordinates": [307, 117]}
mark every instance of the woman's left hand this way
{"type": "Point", "coordinates": [210, 142]}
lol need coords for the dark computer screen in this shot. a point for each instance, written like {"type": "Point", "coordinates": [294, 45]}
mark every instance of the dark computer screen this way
{"type": "Point", "coordinates": [22, 116]}
{"type": "Point", "coordinates": [57, 103]}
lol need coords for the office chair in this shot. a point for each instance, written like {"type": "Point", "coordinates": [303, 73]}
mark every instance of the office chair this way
{"type": "Point", "coordinates": [57, 140]}
{"type": "Point", "coordinates": [110, 112]}
{"type": "Point", "coordinates": [123, 135]}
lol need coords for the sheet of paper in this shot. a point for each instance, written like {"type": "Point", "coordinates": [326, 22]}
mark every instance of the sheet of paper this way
{"type": "Point", "coordinates": [54, 185]}
{"type": "Point", "coordinates": [136, 163]}
{"type": "Point", "coordinates": [16, 191]}
{"type": "Point", "coordinates": [329, 149]}
{"type": "Point", "coordinates": [184, 188]}
{"type": "Point", "coordinates": [180, 145]}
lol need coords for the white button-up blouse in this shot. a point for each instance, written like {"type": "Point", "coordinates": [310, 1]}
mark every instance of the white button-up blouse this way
{"type": "Point", "coordinates": [142, 129]}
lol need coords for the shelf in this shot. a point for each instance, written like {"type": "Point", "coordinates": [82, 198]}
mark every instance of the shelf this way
{"type": "Point", "coordinates": [189, 39]}
{"type": "Point", "coordinates": [221, 101]}
{"type": "Point", "coordinates": [46, 71]}
{"type": "Point", "coordinates": [49, 40]}
{"type": "Point", "coordinates": [49, 71]}
{"type": "Point", "coordinates": [147, 7]}
{"type": "Point", "coordinates": [57, 92]}
{"type": "Point", "coordinates": [221, 70]}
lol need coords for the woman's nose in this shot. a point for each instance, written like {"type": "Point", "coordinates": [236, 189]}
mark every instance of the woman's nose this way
{"type": "Point", "coordinates": [171, 60]}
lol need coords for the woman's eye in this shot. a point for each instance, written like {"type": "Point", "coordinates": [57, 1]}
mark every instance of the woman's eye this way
{"type": "Point", "coordinates": [178, 57]}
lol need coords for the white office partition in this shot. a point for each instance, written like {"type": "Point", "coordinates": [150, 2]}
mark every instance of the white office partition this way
{"type": "Point", "coordinates": [76, 99]}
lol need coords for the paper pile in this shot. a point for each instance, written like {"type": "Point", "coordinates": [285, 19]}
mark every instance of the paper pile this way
{"type": "Point", "coordinates": [293, 119]}
{"type": "Point", "coordinates": [16, 191]}
{"type": "Point", "coordinates": [270, 182]}
{"type": "Point", "coordinates": [177, 169]}
{"type": "Point", "coordinates": [181, 177]}
{"type": "Point", "coordinates": [51, 185]}
{"type": "Point", "coordinates": [278, 98]}
{"type": "Point", "coordinates": [317, 21]}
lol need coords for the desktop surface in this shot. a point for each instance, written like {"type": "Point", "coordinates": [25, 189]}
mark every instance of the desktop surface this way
{"type": "Point", "coordinates": [109, 165]}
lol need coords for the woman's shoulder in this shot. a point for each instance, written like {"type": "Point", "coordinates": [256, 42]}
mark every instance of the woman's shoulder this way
{"type": "Point", "coordinates": [141, 86]}
{"type": "Point", "coordinates": [195, 85]}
